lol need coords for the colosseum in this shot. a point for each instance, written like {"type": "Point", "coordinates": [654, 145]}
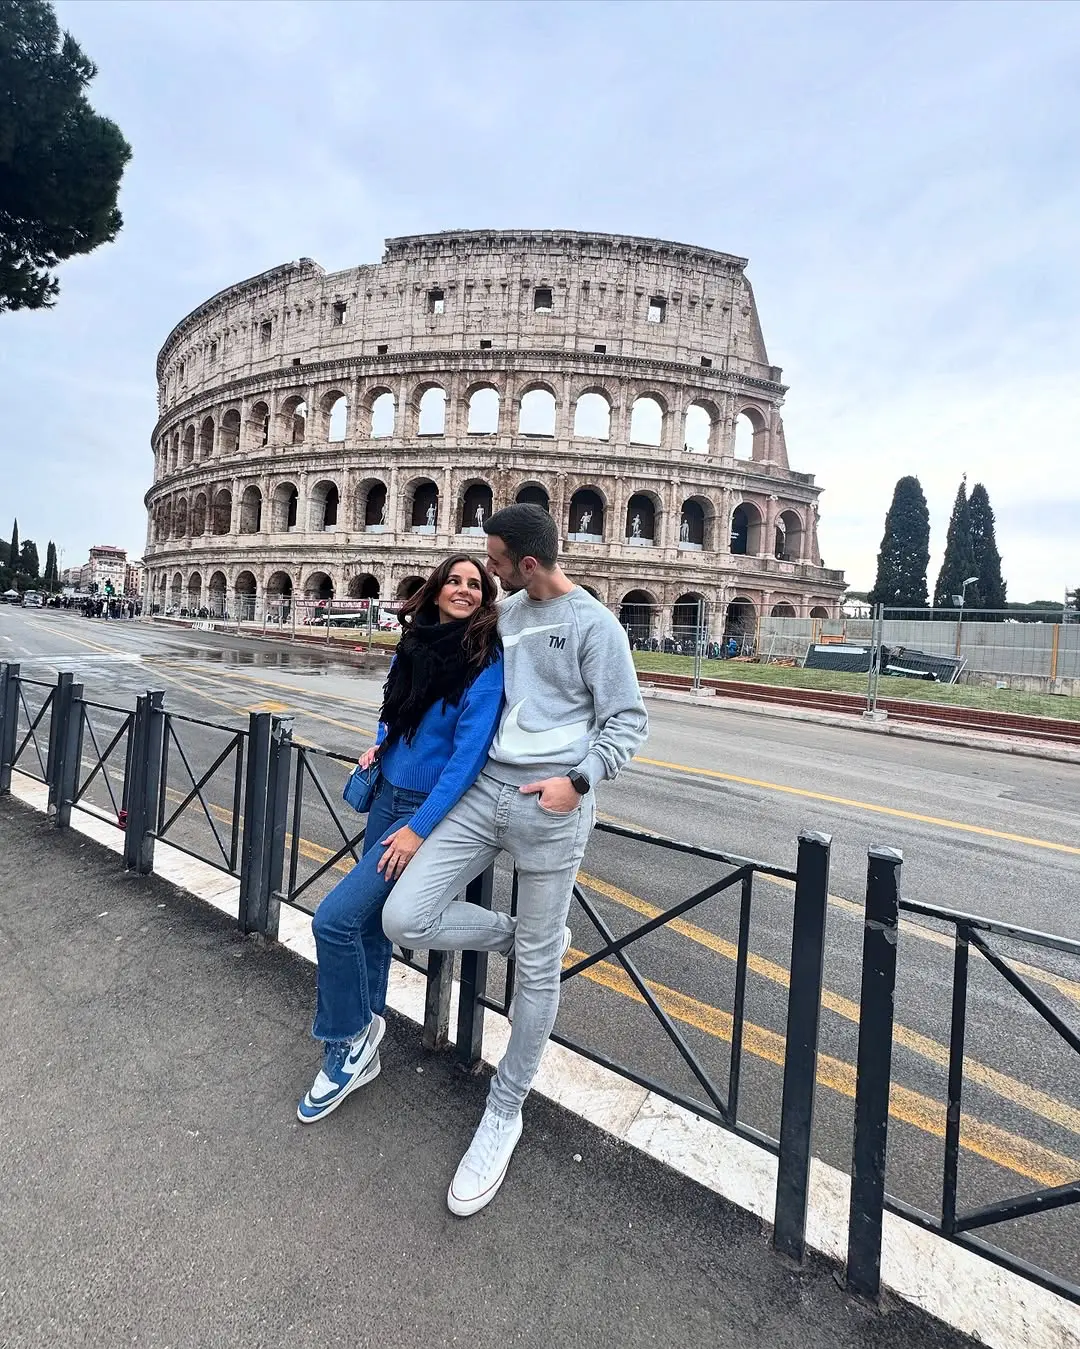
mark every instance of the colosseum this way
{"type": "Point", "coordinates": [328, 436]}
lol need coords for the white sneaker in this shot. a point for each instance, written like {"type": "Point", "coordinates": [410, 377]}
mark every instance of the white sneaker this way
{"type": "Point", "coordinates": [483, 1168]}
{"type": "Point", "coordinates": [566, 937]}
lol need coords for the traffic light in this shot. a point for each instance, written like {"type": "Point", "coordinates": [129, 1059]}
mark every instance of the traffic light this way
{"type": "Point", "coordinates": [109, 588]}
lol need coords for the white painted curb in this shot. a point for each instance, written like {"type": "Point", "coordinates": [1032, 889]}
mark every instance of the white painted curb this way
{"type": "Point", "coordinates": [966, 1291]}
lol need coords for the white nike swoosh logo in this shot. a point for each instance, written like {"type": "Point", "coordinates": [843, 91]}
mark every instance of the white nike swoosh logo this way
{"type": "Point", "coordinates": [515, 637]}
{"type": "Point", "coordinates": [516, 743]}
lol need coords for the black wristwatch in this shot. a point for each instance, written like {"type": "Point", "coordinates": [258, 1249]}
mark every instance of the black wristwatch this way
{"type": "Point", "coordinates": [579, 782]}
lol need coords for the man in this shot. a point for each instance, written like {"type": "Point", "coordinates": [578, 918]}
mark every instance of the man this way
{"type": "Point", "coordinates": [573, 717]}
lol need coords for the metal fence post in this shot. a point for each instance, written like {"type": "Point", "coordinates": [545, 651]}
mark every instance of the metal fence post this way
{"type": "Point", "coordinates": [873, 1071]}
{"type": "Point", "coordinates": [440, 982]}
{"type": "Point", "coordinates": [9, 720]}
{"type": "Point", "coordinates": [61, 699]}
{"type": "Point", "coordinates": [253, 845]}
{"type": "Point", "coordinates": [473, 981]}
{"type": "Point", "coordinates": [67, 776]}
{"type": "Point", "coordinates": [800, 1057]}
{"type": "Point", "coordinates": [142, 788]}
{"type": "Point", "coordinates": [279, 768]}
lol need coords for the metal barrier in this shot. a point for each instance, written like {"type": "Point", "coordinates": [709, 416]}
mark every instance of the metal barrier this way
{"type": "Point", "coordinates": [869, 1200]}
{"type": "Point", "coordinates": [265, 819]}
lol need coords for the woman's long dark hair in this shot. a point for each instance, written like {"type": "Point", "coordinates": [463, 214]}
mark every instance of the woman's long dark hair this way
{"type": "Point", "coordinates": [481, 640]}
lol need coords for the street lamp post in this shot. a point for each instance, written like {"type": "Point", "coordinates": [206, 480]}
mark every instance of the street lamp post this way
{"type": "Point", "coordinates": [958, 600]}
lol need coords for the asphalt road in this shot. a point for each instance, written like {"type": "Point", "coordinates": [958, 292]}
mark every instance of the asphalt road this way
{"type": "Point", "coordinates": [983, 832]}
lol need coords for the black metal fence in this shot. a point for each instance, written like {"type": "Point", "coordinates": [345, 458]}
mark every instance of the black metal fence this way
{"type": "Point", "coordinates": [238, 799]}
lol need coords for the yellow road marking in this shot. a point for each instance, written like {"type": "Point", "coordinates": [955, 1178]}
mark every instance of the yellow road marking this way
{"type": "Point", "coordinates": [292, 688]}
{"type": "Point", "coordinates": [996, 1145]}
{"type": "Point", "coordinates": [266, 707]}
{"type": "Point", "coordinates": [893, 811]}
{"type": "Point", "coordinates": [1029, 1098]}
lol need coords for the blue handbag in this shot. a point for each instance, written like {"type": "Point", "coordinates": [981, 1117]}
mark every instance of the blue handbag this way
{"type": "Point", "coordinates": [361, 788]}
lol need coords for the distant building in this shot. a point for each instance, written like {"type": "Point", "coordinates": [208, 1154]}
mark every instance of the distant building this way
{"type": "Point", "coordinates": [134, 579]}
{"type": "Point", "coordinates": [106, 564]}
{"type": "Point", "coordinates": [853, 608]}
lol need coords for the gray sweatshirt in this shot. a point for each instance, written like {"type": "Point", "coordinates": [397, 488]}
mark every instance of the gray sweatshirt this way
{"type": "Point", "coordinates": [572, 696]}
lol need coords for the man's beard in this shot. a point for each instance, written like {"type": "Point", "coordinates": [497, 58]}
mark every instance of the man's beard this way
{"type": "Point", "coordinates": [511, 587]}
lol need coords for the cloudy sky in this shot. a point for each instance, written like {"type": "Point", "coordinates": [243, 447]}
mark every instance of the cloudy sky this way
{"type": "Point", "coordinates": [903, 178]}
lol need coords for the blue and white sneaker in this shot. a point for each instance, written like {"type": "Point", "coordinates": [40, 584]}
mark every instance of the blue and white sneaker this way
{"type": "Point", "coordinates": [345, 1067]}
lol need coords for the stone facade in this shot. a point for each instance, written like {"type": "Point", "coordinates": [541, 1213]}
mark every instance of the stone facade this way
{"type": "Point", "coordinates": [336, 433]}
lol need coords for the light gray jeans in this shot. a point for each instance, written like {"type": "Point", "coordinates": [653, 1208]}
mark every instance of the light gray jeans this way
{"type": "Point", "coordinates": [423, 911]}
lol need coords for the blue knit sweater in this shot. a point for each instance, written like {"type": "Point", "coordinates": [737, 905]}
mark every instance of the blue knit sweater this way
{"type": "Point", "coordinates": [448, 750]}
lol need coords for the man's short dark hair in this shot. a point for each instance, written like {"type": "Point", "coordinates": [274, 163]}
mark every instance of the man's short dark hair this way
{"type": "Point", "coordinates": [527, 531]}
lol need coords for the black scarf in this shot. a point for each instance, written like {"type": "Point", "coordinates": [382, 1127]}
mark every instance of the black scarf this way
{"type": "Point", "coordinates": [430, 665]}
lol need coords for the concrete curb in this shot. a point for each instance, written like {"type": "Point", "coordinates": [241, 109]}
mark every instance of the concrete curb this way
{"type": "Point", "coordinates": [966, 1291]}
{"type": "Point", "coordinates": [1030, 749]}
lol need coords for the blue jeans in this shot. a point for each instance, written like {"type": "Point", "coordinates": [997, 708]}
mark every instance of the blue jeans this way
{"type": "Point", "coordinates": [354, 955]}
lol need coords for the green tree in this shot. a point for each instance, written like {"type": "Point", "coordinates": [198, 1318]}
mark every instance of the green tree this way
{"type": "Point", "coordinates": [13, 550]}
{"type": "Point", "coordinates": [905, 550]}
{"type": "Point", "coordinates": [29, 563]}
{"type": "Point", "coordinates": [52, 574]}
{"type": "Point", "coordinates": [959, 561]}
{"type": "Point", "coordinates": [990, 587]}
{"type": "Point", "coordinates": [60, 163]}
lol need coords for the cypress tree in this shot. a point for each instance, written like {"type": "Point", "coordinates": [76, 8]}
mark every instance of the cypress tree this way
{"type": "Point", "coordinates": [13, 551]}
{"type": "Point", "coordinates": [29, 562]}
{"type": "Point", "coordinates": [959, 560]}
{"type": "Point", "coordinates": [52, 577]}
{"type": "Point", "coordinates": [991, 586]}
{"type": "Point", "coordinates": [905, 550]}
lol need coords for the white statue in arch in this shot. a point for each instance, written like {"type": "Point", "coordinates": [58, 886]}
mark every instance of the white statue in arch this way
{"type": "Point", "coordinates": [480, 515]}
{"type": "Point", "coordinates": [585, 522]}
{"type": "Point", "coordinates": [431, 515]}
{"type": "Point", "coordinates": [635, 527]}
{"type": "Point", "coordinates": [684, 530]}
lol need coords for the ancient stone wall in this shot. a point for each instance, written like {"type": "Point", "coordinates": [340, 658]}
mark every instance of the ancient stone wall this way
{"type": "Point", "coordinates": [339, 432]}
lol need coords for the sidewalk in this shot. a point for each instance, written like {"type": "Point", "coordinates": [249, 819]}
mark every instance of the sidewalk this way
{"type": "Point", "coordinates": [159, 1191]}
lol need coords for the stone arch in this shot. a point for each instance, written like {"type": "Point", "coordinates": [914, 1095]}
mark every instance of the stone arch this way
{"type": "Point", "coordinates": [751, 433]}
{"type": "Point", "coordinates": [696, 519]}
{"type": "Point", "coordinates": [363, 587]}
{"type": "Point", "coordinates": [638, 613]}
{"type": "Point", "coordinates": [180, 519]}
{"type": "Point", "coordinates": [586, 520]}
{"type": "Point", "coordinates": [819, 611]}
{"type": "Point", "coordinates": [222, 512]}
{"type": "Point", "coordinates": [251, 503]}
{"type": "Point", "coordinates": [789, 536]}
{"type": "Point", "coordinates": [483, 410]}
{"type": "Point", "coordinates": [421, 506]}
{"type": "Point", "coordinates": [229, 432]}
{"type": "Point", "coordinates": [285, 507]}
{"type": "Point", "coordinates": [690, 619]}
{"type": "Point", "coordinates": [533, 494]}
{"type": "Point", "coordinates": [318, 586]}
{"type": "Point", "coordinates": [176, 590]}
{"type": "Point", "coordinates": [592, 415]}
{"type": "Point", "coordinates": [370, 510]}
{"type": "Point", "coordinates": [279, 586]}
{"type": "Point", "coordinates": [323, 502]}
{"type": "Point", "coordinates": [189, 446]}
{"type": "Point", "coordinates": [258, 426]}
{"type": "Point", "coordinates": [198, 516]}
{"type": "Point", "coordinates": [334, 408]}
{"type": "Point", "coordinates": [430, 403]}
{"type": "Point", "coordinates": [215, 594]}
{"type": "Point", "coordinates": [476, 506]}
{"type": "Point", "coordinates": [407, 588]}
{"type": "Point", "coordinates": [644, 513]}
{"type": "Point", "coordinates": [245, 590]}
{"type": "Point", "coordinates": [206, 439]}
{"type": "Point", "coordinates": [380, 407]}
{"type": "Point", "coordinates": [537, 412]}
{"type": "Point", "coordinates": [647, 420]}
{"type": "Point", "coordinates": [740, 622]}
{"type": "Point", "coordinates": [783, 609]}
{"type": "Point", "coordinates": [292, 420]}
{"type": "Point", "coordinates": [746, 526]}
{"type": "Point", "coordinates": [699, 427]}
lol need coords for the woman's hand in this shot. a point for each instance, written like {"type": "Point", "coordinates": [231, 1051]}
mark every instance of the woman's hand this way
{"type": "Point", "coordinates": [401, 848]}
{"type": "Point", "coordinates": [368, 757]}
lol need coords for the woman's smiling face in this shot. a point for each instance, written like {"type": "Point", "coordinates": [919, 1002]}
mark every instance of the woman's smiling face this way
{"type": "Point", "coordinates": [460, 597]}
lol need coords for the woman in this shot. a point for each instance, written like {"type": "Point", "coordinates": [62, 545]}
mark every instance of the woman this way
{"type": "Point", "coordinates": [440, 709]}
